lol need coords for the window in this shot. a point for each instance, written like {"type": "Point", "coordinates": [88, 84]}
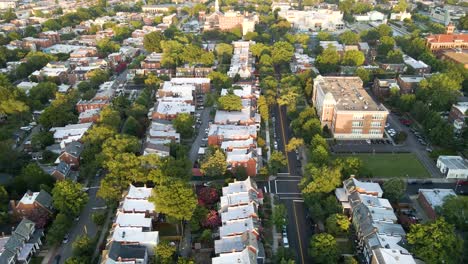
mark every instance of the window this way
{"type": "Point", "coordinates": [358, 117]}
{"type": "Point", "coordinates": [376, 124]}
{"type": "Point", "coordinates": [358, 123]}
{"type": "Point", "coordinates": [377, 117]}
{"type": "Point", "coordinates": [375, 132]}
{"type": "Point", "coordinates": [356, 131]}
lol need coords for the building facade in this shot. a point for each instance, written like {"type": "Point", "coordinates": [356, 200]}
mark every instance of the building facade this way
{"type": "Point", "coordinates": [346, 108]}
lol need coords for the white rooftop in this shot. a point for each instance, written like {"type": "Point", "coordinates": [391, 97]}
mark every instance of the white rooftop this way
{"type": "Point", "coordinates": [239, 212]}
{"type": "Point", "coordinates": [233, 132]}
{"type": "Point", "coordinates": [415, 64]}
{"type": "Point", "coordinates": [135, 205]}
{"type": "Point", "coordinates": [70, 130]}
{"type": "Point", "coordinates": [240, 186]}
{"type": "Point", "coordinates": [29, 198]}
{"type": "Point", "coordinates": [174, 108]}
{"type": "Point", "coordinates": [392, 256]}
{"type": "Point", "coordinates": [139, 192]}
{"type": "Point", "coordinates": [454, 162]}
{"type": "Point", "coordinates": [237, 143]}
{"type": "Point", "coordinates": [244, 257]}
{"type": "Point", "coordinates": [461, 106]}
{"type": "Point", "coordinates": [133, 220]}
{"type": "Point", "coordinates": [199, 81]}
{"type": "Point", "coordinates": [134, 234]}
{"type": "Point", "coordinates": [237, 227]}
{"type": "Point", "coordinates": [435, 197]}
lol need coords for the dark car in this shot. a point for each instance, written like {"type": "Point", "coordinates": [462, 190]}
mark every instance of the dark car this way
{"type": "Point", "coordinates": [57, 259]}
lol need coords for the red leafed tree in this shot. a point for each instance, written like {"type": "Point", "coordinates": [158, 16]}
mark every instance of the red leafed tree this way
{"type": "Point", "coordinates": [39, 217]}
{"type": "Point", "coordinates": [207, 196]}
{"type": "Point", "coordinates": [212, 220]}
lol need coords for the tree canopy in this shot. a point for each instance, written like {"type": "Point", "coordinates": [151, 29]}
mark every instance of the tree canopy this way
{"type": "Point", "coordinates": [435, 242]}
{"type": "Point", "coordinates": [214, 164]}
{"type": "Point", "coordinates": [69, 197]}
{"type": "Point", "coordinates": [323, 248]}
{"type": "Point", "coordinates": [183, 124]}
{"type": "Point", "coordinates": [175, 199]}
{"type": "Point", "coordinates": [230, 102]}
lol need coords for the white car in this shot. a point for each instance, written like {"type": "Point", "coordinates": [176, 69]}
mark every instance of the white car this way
{"type": "Point", "coordinates": [275, 145]}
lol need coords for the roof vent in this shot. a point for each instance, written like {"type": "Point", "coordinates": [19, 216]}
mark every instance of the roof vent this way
{"type": "Point", "coordinates": [123, 234]}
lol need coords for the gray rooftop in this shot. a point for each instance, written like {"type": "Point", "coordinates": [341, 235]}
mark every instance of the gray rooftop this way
{"type": "Point", "coordinates": [454, 162]}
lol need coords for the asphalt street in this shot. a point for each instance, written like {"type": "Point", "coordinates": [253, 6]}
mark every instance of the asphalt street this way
{"type": "Point", "coordinates": [200, 133]}
{"type": "Point", "coordinates": [285, 186]}
{"type": "Point", "coordinates": [84, 225]}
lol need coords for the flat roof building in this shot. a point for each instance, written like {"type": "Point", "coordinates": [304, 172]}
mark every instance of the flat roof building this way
{"type": "Point", "coordinates": [430, 199]}
{"type": "Point", "coordinates": [346, 108]}
{"type": "Point", "coordinates": [454, 167]}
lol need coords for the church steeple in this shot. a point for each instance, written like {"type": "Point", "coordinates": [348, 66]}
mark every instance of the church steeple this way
{"type": "Point", "coordinates": [216, 6]}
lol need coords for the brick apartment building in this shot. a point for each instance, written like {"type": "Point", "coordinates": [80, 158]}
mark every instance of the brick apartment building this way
{"type": "Point", "coordinates": [53, 36]}
{"type": "Point", "coordinates": [33, 204]}
{"type": "Point", "coordinates": [346, 108]}
{"type": "Point", "coordinates": [408, 83]}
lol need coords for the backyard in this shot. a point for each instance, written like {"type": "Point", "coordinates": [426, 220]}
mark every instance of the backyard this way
{"type": "Point", "coordinates": [401, 165]}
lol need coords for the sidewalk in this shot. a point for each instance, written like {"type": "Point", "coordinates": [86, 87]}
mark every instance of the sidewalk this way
{"type": "Point", "coordinates": [103, 235]}
{"type": "Point", "coordinates": [50, 255]}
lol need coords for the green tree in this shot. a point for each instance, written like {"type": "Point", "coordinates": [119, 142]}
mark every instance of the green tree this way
{"type": "Point", "coordinates": [98, 219]}
{"type": "Point", "coordinates": [58, 229]}
{"type": "Point", "coordinates": [353, 58]}
{"type": "Point", "coordinates": [394, 189]}
{"type": "Point", "coordinates": [42, 139]}
{"type": "Point", "coordinates": [107, 46]}
{"type": "Point", "coordinates": [219, 80]}
{"type": "Point", "coordinates": [175, 199]}
{"type": "Point", "coordinates": [277, 162]}
{"type": "Point", "coordinates": [165, 252]}
{"type": "Point", "coordinates": [349, 166]}
{"type": "Point", "coordinates": [83, 246]}
{"type": "Point", "coordinates": [435, 242]}
{"type": "Point", "coordinates": [279, 217]}
{"type": "Point", "coordinates": [289, 97]}
{"type": "Point", "coordinates": [294, 143]}
{"type": "Point", "coordinates": [69, 197]}
{"type": "Point", "coordinates": [323, 248]}
{"type": "Point", "coordinates": [324, 36]}
{"type": "Point", "coordinates": [214, 164]}
{"type": "Point", "coordinates": [183, 124]}
{"type": "Point", "coordinates": [10, 98]}
{"type": "Point", "coordinates": [98, 77]}
{"type": "Point", "coordinates": [349, 38]}
{"type": "Point", "coordinates": [386, 44]}
{"type": "Point", "coordinates": [230, 102]}
{"type": "Point", "coordinates": [319, 156]}
{"type": "Point", "coordinates": [318, 140]}
{"type": "Point", "coordinates": [337, 224]}
{"type": "Point", "coordinates": [394, 56]}
{"type": "Point", "coordinates": [401, 6]}
{"type": "Point", "coordinates": [320, 180]}
{"type": "Point", "coordinates": [110, 117]}
{"type": "Point", "coordinates": [31, 178]}
{"type": "Point", "coordinates": [440, 90]}
{"type": "Point", "coordinates": [282, 52]}
{"type": "Point", "coordinates": [328, 60]}
{"type": "Point", "coordinates": [454, 209]}
{"type": "Point", "coordinates": [363, 74]}
{"type": "Point", "coordinates": [43, 92]}
{"type": "Point", "coordinates": [152, 41]}
{"type": "Point", "coordinates": [132, 127]}
{"type": "Point", "coordinates": [263, 108]}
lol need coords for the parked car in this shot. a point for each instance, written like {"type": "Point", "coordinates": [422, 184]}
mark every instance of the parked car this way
{"type": "Point", "coordinates": [275, 145]}
{"type": "Point", "coordinates": [57, 259]}
{"type": "Point", "coordinates": [65, 239]}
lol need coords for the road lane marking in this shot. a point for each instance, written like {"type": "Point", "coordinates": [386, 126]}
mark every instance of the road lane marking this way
{"type": "Point", "coordinates": [298, 233]}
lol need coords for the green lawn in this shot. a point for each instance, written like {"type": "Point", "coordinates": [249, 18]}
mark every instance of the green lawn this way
{"type": "Point", "coordinates": [36, 260]}
{"type": "Point", "coordinates": [398, 165]}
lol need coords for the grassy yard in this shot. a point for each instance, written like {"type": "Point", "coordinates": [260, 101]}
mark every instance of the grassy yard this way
{"type": "Point", "coordinates": [392, 165]}
{"type": "Point", "coordinates": [36, 260]}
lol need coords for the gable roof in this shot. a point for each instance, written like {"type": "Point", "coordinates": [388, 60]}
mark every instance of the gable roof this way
{"type": "Point", "coordinates": [74, 148]}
